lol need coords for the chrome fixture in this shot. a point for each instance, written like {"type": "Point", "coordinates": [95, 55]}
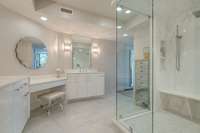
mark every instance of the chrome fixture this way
{"type": "Point", "coordinates": [196, 13]}
{"type": "Point", "coordinates": [178, 49]}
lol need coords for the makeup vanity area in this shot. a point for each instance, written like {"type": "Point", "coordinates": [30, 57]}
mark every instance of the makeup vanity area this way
{"type": "Point", "coordinates": [15, 91]}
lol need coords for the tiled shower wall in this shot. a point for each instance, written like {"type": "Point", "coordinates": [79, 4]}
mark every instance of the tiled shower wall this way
{"type": "Point", "coordinates": [184, 107]}
{"type": "Point", "coordinates": [167, 14]}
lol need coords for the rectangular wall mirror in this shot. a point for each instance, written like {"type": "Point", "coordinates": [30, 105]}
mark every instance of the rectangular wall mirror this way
{"type": "Point", "coordinates": [81, 55]}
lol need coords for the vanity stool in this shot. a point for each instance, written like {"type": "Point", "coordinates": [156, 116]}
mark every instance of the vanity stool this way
{"type": "Point", "coordinates": [53, 98]}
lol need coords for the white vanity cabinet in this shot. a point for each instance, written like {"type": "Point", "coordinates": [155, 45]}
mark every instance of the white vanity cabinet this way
{"type": "Point", "coordinates": [14, 106]}
{"type": "Point", "coordinates": [84, 85]}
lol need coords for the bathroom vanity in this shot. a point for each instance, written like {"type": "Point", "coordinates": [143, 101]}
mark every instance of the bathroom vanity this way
{"type": "Point", "coordinates": [15, 99]}
{"type": "Point", "coordinates": [41, 83]}
{"type": "Point", "coordinates": [15, 104]}
{"type": "Point", "coordinates": [84, 85]}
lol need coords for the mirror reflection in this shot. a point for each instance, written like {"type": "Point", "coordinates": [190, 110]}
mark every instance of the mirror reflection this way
{"type": "Point", "coordinates": [81, 55]}
{"type": "Point", "coordinates": [31, 53]}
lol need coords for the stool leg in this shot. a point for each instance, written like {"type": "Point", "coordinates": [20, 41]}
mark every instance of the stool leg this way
{"type": "Point", "coordinates": [49, 108]}
{"type": "Point", "coordinates": [61, 106]}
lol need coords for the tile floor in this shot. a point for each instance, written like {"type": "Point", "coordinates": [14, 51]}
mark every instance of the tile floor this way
{"type": "Point", "coordinates": [127, 106]}
{"type": "Point", "coordinates": [164, 122]}
{"type": "Point", "coordinates": [92, 116]}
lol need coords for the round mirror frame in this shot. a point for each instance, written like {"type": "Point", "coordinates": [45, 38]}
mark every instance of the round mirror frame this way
{"type": "Point", "coordinates": [21, 62]}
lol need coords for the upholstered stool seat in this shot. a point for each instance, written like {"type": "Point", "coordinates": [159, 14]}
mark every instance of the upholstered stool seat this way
{"type": "Point", "coordinates": [53, 98]}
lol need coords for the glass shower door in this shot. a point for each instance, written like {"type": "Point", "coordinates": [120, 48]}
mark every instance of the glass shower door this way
{"type": "Point", "coordinates": [134, 65]}
{"type": "Point", "coordinates": [178, 94]}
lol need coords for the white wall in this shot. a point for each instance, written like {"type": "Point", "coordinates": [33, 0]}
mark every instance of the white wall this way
{"type": "Point", "coordinates": [14, 27]}
{"type": "Point", "coordinates": [105, 62]}
{"type": "Point", "coordinates": [141, 39]}
{"type": "Point", "coordinates": [167, 15]}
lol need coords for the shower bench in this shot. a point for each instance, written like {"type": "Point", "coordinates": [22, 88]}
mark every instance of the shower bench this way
{"type": "Point", "coordinates": [183, 104]}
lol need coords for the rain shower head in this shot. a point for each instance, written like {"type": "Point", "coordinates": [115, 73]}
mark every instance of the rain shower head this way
{"type": "Point", "coordinates": [196, 13]}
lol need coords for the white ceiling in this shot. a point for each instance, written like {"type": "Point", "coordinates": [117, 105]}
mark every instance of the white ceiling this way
{"type": "Point", "coordinates": [91, 18]}
{"type": "Point", "coordinates": [99, 7]}
{"type": "Point", "coordinates": [81, 23]}
{"type": "Point", "coordinates": [143, 7]}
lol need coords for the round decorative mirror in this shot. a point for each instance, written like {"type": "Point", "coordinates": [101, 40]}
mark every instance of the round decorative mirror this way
{"type": "Point", "coordinates": [31, 53]}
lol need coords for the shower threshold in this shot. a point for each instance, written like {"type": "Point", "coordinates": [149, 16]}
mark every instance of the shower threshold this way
{"type": "Point", "coordinates": [164, 122]}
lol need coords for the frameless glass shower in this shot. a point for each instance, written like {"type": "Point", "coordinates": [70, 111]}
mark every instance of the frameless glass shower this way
{"type": "Point", "coordinates": [177, 95]}
{"type": "Point", "coordinates": [164, 98]}
{"type": "Point", "coordinates": [134, 65]}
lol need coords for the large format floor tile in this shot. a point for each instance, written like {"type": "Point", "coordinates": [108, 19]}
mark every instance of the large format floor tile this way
{"type": "Point", "coordinates": [164, 122]}
{"type": "Point", "coordinates": [92, 116]}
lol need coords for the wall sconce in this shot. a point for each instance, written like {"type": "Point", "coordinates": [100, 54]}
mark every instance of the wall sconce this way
{"type": "Point", "coordinates": [67, 46]}
{"type": "Point", "coordinates": [95, 50]}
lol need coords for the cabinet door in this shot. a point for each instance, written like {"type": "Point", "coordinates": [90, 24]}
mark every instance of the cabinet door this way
{"type": "Point", "coordinates": [92, 86]}
{"type": "Point", "coordinates": [18, 113]}
{"type": "Point", "coordinates": [71, 89]}
{"type": "Point", "coordinates": [100, 86]}
{"type": "Point", "coordinates": [21, 104]}
{"type": "Point", "coordinates": [25, 101]}
{"type": "Point", "coordinates": [82, 86]}
{"type": "Point", "coordinates": [95, 85]}
{"type": "Point", "coordinates": [6, 110]}
{"type": "Point", "coordinates": [77, 86]}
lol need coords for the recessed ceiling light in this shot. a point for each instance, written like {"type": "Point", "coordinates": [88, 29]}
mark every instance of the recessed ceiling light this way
{"type": "Point", "coordinates": [43, 18]}
{"type": "Point", "coordinates": [119, 8]}
{"type": "Point", "coordinates": [125, 35]}
{"type": "Point", "coordinates": [119, 27]}
{"type": "Point", "coordinates": [128, 11]}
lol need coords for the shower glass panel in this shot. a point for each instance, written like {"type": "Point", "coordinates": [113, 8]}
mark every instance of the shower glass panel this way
{"type": "Point", "coordinates": [134, 65]}
{"type": "Point", "coordinates": [177, 97]}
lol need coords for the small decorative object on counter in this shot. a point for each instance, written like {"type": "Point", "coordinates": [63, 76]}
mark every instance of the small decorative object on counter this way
{"type": "Point", "coordinates": [58, 72]}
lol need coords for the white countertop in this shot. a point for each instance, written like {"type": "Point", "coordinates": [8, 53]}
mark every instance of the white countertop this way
{"type": "Point", "coordinates": [44, 82]}
{"type": "Point", "coordinates": [8, 80]}
{"type": "Point", "coordinates": [34, 80]}
{"type": "Point", "coordinates": [44, 79]}
{"type": "Point", "coordinates": [84, 72]}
